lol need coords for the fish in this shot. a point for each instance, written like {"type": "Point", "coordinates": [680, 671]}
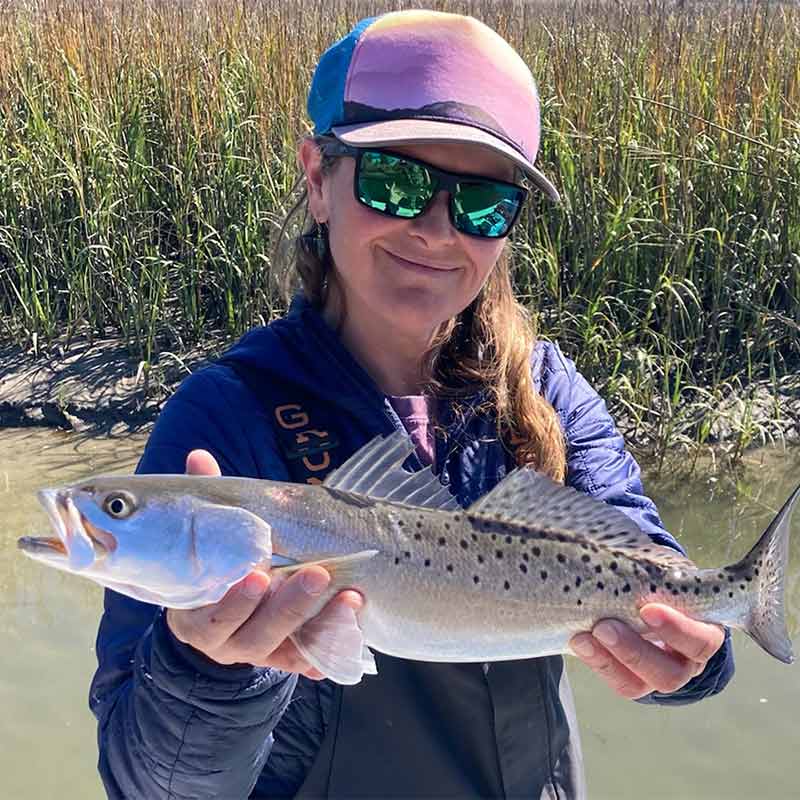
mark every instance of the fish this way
{"type": "Point", "coordinates": [515, 575]}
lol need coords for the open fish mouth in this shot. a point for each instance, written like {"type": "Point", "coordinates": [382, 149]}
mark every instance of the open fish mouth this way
{"type": "Point", "coordinates": [77, 539]}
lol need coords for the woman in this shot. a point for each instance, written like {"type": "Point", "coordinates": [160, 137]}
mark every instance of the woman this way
{"type": "Point", "coordinates": [426, 126]}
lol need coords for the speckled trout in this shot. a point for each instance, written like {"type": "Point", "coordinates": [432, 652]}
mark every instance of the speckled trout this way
{"type": "Point", "coordinates": [515, 575]}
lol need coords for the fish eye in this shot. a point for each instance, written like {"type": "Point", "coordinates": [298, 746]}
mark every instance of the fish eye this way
{"type": "Point", "coordinates": [119, 505]}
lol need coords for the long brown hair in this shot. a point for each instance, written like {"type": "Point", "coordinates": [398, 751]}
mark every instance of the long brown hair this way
{"type": "Point", "coordinates": [487, 346]}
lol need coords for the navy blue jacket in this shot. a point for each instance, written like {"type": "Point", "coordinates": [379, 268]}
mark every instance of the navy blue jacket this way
{"type": "Point", "coordinates": [174, 724]}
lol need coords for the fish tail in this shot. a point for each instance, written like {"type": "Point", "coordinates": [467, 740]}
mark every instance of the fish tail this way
{"type": "Point", "coordinates": [765, 567]}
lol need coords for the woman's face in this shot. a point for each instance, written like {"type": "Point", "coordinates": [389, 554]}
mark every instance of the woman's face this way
{"type": "Point", "coordinates": [408, 275]}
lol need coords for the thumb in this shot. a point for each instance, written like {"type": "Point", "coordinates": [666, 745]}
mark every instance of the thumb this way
{"type": "Point", "coordinates": [201, 462]}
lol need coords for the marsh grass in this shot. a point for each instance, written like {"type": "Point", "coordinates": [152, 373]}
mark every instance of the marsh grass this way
{"type": "Point", "coordinates": [147, 149]}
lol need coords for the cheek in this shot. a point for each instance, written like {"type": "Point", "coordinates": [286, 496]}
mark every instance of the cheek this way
{"type": "Point", "coordinates": [484, 256]}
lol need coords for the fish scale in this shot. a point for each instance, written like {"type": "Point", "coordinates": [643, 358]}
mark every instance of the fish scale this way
{"type": "Point", "coordinates": [515, 575]}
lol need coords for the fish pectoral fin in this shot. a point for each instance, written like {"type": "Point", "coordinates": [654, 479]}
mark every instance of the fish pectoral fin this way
{"type": "Point", "coordinates": [342, 569]}
{"type": "Point", "coordinates": [333, 643]}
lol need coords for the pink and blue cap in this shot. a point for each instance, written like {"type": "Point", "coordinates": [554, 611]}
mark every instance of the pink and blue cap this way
{"type": "Point", "coordinates": [417, 76]}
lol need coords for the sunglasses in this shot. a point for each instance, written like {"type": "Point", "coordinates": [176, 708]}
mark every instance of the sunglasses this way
{"type": "Point", "coordinates": [403, 187]}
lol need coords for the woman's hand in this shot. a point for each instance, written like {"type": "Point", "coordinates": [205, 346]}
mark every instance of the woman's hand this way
{"type": "Point", "coordinates": [633, 665]}
{"type": "Point", "coordinates": [248, 625]}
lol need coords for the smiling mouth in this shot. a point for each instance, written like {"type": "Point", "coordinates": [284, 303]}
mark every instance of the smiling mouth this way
{"type": "Point", "coordinates": [418, 264]}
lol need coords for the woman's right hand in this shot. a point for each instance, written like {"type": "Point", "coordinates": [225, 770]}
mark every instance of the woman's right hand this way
{"type": "Point", "coordinates": [250, 625]}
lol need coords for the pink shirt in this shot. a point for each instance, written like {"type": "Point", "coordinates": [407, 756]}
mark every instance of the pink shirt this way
{"type": "Point", "coordinates": [414, 412]}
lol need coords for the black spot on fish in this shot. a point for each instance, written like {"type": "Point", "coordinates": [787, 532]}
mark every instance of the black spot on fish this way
{"type": "Point", "coordinates": [506, 585]}
{"type": "Point", "coordinates": [494, 537]}
{"type": "Point", "coordinates": [613, 566]}
{"type": "Point", "coordinates": [616, 592]}
{"type": "Point", "coordinates": [498, 553]}
{"type": "Point", "coordinates": [407, 554]}
{"type": "Point", "coordinates": [601, 585]}
{"type": "Point", "coordinates": [584, 546]}
{"type": "Point", "coordinates": [456, 517]}
{"type": "Point", "coordinates": [523, 568]}
{"type": "Point", "coordinates": [543, 573]}
{"type": "Point", "coordinates": [449, 567]}
{"type": "Point", "coordinates": [748, 578]}
{"type": "Point", "coordinates": [464, 544]}
{"type": "Point", "coordinates": [756, 570]}
{"type": "Point", "coordinates": [474, 537]}
{"type": "Point", "coordinates": [476, 579]}
{"type": "Point", "coordinates": [653, 587]}
{"type": "Point", "coordinates": [586, 559]}
{"type": "Point", "coordinates": [721, 576]}
{"type": "Point", "coordinates": [442, 541]}
{"type": "Point", "coordinates": [742, 586]}
{"type": "Point", "coordinates": [400, 523]}
{"type": "Point", "coordinates": [526, 557]}
{"type": "Point", "coordinates": [731, 578]}
{"type": "Point", "coordinates": [668, 585]}
{"type": "Point", "coordinates": [566, 588]}
{"type": "Point", "coordinates": [480, 558]}
{"type": "Point", "coordinates": [417, 536]}
{"type": "Point", "coordinates": [509, 540]}
{"type": "Point", "coordinates": [561, 558]}
{"type": "Point", "coordinates": [626, 588]}
{"type": "Point", "coordinates": [577, 581]}
{"type": "Point", "coordinates": [675, 592]}
{"type": "Point", "coordinates": [716, 589]}
{"type": "Point", "coordinates": [697, 590]}
{"type": "Point", "coordinates": [730, 594]}
{"type": "Point", "coordinates": [427, 562]}
{"type": "Point", "coordinates": [580, 602]}
{"type": "Point", "coordinates": [684, 589]}
{"type": "Point", "coordinates": [447, 526]}
{"type": "Point", "coordinates": [598, 568]}
{"type": "Point", "coordinates": [396, 560]}
{"type": "Point", "coordinates": [536, 551]}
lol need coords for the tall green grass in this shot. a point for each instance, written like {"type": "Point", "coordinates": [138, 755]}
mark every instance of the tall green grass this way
{"type": "Point", "coordinates": [147, 148]}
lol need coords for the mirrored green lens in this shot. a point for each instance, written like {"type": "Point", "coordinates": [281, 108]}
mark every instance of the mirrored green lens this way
{"type": "Point", "coordinates": [484, 209]}
{"type": "Point", "coordinates": [393, 185]}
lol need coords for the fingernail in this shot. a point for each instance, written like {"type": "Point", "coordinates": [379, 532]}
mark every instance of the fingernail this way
{"type": "Point", "coordinates": [253, 587]}
{"type": "Point", "coordinates": [583, 647]}
{"type": "Point", "coordinates": [652, 617]}
{"type": "Point", "coordinates": [314, 582]}
{"type": "Point", "coordinates": [607, 633]}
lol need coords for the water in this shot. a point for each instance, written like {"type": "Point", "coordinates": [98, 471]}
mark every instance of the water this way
{"type": "Point", "coordinates": [738, 745]}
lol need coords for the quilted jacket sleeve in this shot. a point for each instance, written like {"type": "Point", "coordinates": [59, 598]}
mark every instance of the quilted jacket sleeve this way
{"type": "Point", "coordinates": [599, 465]}
{"type": "Point", "coordinates": [172, 723]}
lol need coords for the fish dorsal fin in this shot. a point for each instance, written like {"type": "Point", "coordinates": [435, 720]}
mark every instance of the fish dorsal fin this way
{"type": "Point", "coordinates": [376, 471]}
{"type": "Point", "coordinates": [528, 498]}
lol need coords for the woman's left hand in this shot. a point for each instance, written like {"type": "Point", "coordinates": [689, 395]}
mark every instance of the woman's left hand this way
{"type": "Point", "coordinates": [633, 665]}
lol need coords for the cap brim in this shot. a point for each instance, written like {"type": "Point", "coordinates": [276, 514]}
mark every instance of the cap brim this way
{"type": "Point", "coordinates": [420, 131]}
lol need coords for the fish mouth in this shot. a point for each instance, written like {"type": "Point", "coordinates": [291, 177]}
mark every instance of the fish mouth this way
{"type": "Point", "coordinates": [77, 539]}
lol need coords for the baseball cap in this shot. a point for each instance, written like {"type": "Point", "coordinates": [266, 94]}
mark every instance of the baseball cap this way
{"type": "Point", "coordinates": [419, 76]}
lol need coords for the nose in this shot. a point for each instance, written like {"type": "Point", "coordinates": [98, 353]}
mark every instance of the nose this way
{"type": "Point", "coordinates": [434, 226]}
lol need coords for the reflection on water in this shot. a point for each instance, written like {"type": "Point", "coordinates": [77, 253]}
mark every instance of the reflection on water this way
{"type": "Point", "coordinates": [740, 744]}
{"type": "Point", "coordinates": [47, 623]}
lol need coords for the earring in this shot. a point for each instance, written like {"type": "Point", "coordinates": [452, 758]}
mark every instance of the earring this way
{"type": "Point", "coordinates": [316, 240]}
